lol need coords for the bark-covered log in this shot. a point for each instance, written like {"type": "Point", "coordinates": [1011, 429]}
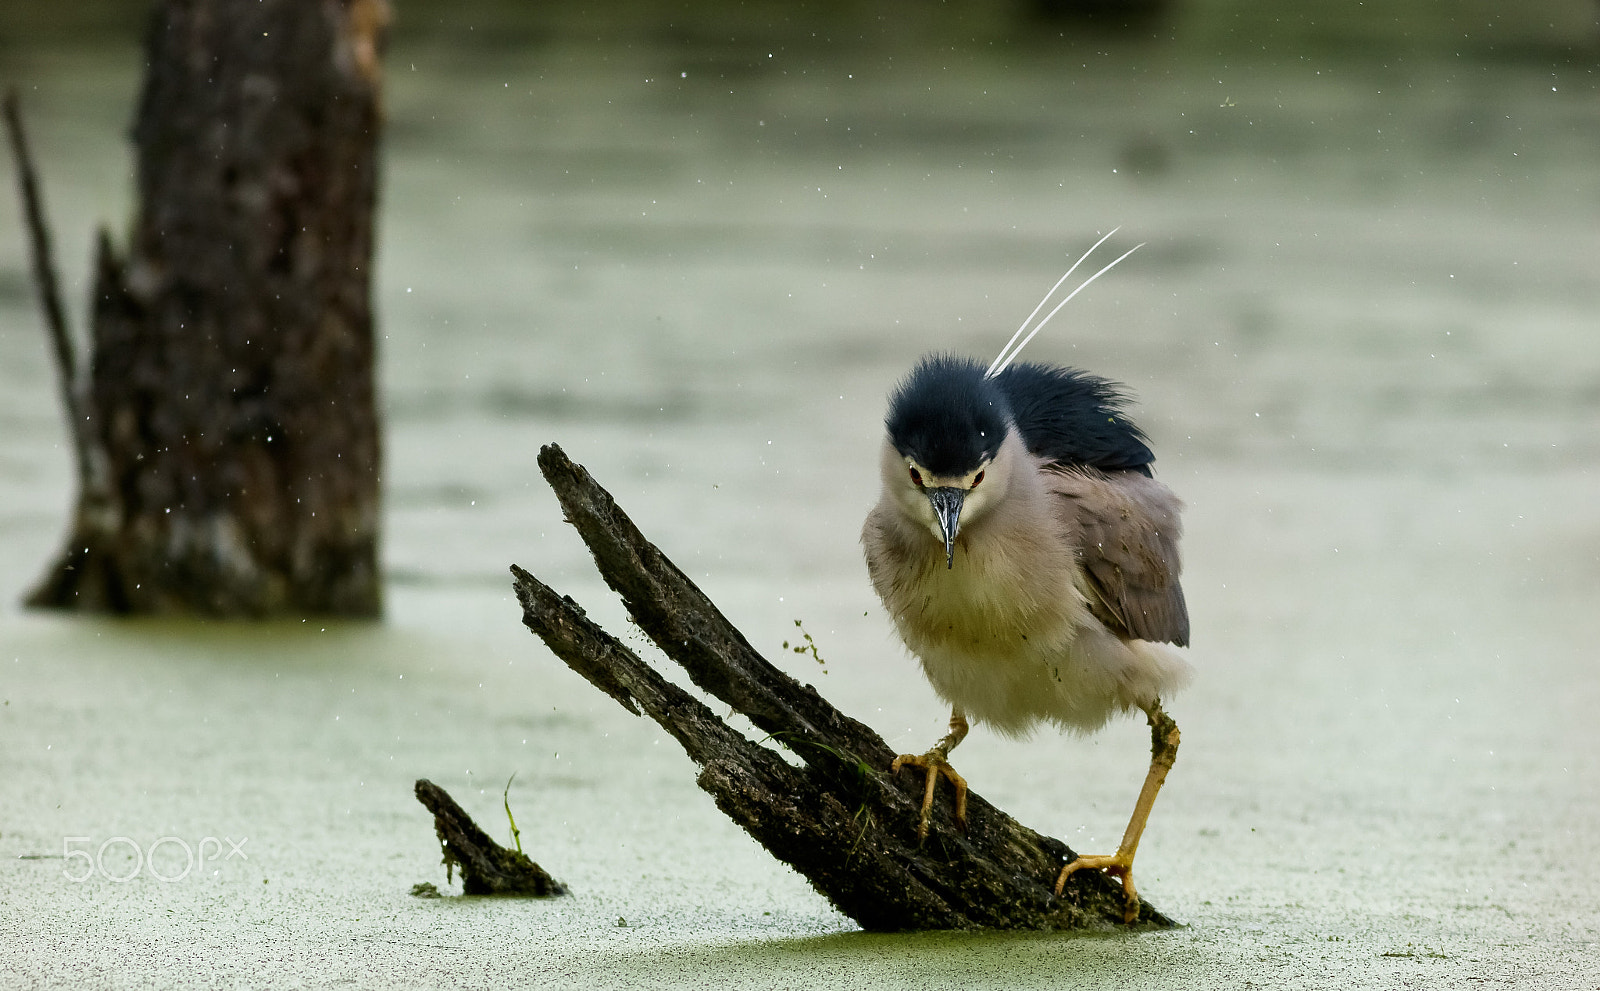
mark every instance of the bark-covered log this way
{"type": "Point", "coordinates": [227, 430]}
{"type": "Point", "coordinates": [487, 868]}
{"type": "Point", "coordinates": [839, 818]}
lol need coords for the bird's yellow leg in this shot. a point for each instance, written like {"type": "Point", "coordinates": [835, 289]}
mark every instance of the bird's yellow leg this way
{"type": "Point", "coordinates": [1163, 752]}
{"type": "Point", "coordinates": [936, 764]}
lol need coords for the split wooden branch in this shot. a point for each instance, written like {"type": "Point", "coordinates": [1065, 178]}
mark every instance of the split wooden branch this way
{"type": "Point", "coordinates": [839, 818]}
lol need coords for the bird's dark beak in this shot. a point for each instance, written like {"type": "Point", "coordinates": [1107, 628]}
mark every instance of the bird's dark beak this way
{"type": "Point", "coordinates": [947, 507]}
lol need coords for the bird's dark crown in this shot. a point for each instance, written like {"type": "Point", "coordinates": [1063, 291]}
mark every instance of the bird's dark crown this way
{"type": "Point", "coordinates": [1070, 417]}
{"type": "Point", "coordinates": [946, 416]}
{"type": "Point", "coordinates": [950, 418]}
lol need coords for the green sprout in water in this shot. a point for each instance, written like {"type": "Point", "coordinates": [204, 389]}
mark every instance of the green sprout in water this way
{"type": "Point", "coordinates": [516, 834]}
{"type": "Point", "coordinates": [809, 647]}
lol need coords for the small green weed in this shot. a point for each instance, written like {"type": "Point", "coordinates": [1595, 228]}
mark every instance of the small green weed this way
{"type": "Point", "coordinates": [809, 647]}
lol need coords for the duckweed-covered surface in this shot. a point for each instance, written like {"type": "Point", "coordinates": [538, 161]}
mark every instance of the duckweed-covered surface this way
{"type": "Point", "coordinates": [1362, 335]}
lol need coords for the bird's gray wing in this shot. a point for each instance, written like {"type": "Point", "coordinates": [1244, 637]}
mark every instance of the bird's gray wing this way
{"type": "Point", "coordinates": [1127, 529]}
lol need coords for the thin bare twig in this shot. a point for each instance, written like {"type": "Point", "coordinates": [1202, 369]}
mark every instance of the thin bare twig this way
{"type": "Point", "coordinates": [44, 273]}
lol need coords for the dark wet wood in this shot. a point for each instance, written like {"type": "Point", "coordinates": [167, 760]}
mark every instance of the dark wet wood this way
{"type": "Point", "coordinates": [225, 421]}
{"type": "Point", "coordinates": [839, 818]}
{"type": "Point", "coordinates": [487, 868]}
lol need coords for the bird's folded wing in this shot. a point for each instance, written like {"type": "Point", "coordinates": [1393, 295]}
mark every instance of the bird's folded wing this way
{"type": "Point", "coordinates": [1127, 531]}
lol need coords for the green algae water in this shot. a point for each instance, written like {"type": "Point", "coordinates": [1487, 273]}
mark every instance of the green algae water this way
{"type": "Point", "coordinates": [698, 252]}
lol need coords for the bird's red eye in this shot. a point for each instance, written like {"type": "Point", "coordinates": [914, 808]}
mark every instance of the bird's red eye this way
{"type": "Point", "coordinates": [916, 478]}
{"type": "Point", "coordinates": [976, 479]}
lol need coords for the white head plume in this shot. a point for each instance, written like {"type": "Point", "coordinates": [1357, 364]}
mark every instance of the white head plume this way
{"type": "Point", "coordinates": [1008, 353]}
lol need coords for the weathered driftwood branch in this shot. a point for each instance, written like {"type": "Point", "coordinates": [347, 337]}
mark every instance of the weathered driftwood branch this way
{"type": "Point", "coordinates": [839, 819]}
{"type": "Point", "coordinates": [487, 868]}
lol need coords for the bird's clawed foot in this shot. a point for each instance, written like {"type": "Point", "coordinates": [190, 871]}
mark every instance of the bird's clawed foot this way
{"type": "Point", "coordinates": [935, 764]}
{"type": "Point", "coordinates": [1119, 865]}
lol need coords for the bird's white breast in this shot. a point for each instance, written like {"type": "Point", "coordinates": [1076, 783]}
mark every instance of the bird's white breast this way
{"type": "Point", "coordinates": [1005, 633]}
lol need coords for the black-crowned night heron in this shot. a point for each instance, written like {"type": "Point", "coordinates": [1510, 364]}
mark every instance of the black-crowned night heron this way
{"type": "Point", "coordinates": [1029, 559]}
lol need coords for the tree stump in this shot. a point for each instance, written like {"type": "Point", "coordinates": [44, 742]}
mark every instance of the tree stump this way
{"type": "Point", "coordinates": [226, 429]}
{"type": "Point", "coordinates": [839, 818]}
